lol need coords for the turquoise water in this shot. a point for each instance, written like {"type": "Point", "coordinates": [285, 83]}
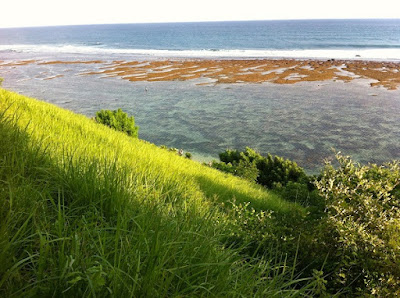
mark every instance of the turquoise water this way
{"type": "Point", "coordinates": [302, 122]}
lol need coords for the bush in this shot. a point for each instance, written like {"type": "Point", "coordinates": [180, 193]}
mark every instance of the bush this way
{"type": "Point", "coordinates": [363, 206]}
{"type": "Point", "coordinates": [276, 169]}
{"type": "Point", "coordinates": [237, 163]}
{"type": "Point", "coordinates": [118, 120]}
{"type": "Point", "coordinates": [267, 171]}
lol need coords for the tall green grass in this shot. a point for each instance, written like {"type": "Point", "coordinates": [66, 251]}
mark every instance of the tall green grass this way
{"type": "Point", "coordinates": [87, 211]}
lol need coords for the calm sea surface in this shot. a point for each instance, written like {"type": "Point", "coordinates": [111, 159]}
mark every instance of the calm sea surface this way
{"type": "Point", "coordinates": [373, 39]}
{"type": "Point", "coordinates": [302, 121]}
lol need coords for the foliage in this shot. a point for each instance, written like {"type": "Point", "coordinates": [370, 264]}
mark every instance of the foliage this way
{"type": "Point", "coordinates": [118, 120]}
{"type": "Point", "coordinates": [260, 232]}
{"type": "Point", "coordinates": [300, 193]}
{"type": "Point", "coordinates": [1, 81]}
{"type": "Point", "coordinates": [242, 168]}
{"type": "Point", "coordinates": [363, 206]}
{"type": "Point", "coordinates": [267, 171]}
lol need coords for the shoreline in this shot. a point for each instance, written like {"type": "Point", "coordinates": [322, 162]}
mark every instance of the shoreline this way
{"type": "Point", "coordinates": [384, 74]}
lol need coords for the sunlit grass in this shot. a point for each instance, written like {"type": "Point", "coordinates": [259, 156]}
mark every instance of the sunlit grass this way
{"type": "Point", "coordinates": [88, 211]}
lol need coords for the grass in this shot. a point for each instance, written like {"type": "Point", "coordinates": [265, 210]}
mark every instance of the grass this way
{"type": "Point", "coordinates": [88, 211]}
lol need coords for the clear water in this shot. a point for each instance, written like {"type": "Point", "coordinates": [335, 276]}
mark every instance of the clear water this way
{"type": "Point", "coordinates": [301, 122]}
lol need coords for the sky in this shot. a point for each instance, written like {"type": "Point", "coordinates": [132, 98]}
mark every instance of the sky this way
{"type": "Point", "coordinates": [27, 13]}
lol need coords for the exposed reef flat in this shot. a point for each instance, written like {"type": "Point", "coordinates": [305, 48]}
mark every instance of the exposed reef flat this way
{"type": "Point", "coordinates": [280, 71]}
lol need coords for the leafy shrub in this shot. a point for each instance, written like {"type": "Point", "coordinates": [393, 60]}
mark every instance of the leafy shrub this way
{"type": "Point", "coordinates": [118, 120]}
{"type": "Point", "coordinates": [363, 206]}
{"type": "Point", "coordinates": [267, 171]}
{"type": "Point", "coordinates": [237, 164]}
{"type": "Point", "coordinates": [188, 155]}
{"type": "Point", "coordinates": [249, 226]}
{"type": "Point", "coordinates": [247, 169]}
{"type": "Point", "coordinates": [276, 169]}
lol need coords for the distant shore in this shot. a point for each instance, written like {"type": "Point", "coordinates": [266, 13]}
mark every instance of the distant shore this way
{"type": "Point", "coordinates": [213, 71]}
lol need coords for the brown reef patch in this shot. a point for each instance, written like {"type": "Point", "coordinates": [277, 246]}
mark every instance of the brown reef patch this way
{"type": "Point", "coordinates": [19, 63]}
{"type": "Point", "coordinates": [279, 71]}
{"type": "Point", "coordinates": [256, 71]}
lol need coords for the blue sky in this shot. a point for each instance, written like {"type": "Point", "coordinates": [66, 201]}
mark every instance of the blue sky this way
{"type": "Point", "coordinates": [20, 13]}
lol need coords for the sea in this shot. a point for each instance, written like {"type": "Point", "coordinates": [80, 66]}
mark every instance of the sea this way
{"type": "Point", "coordinates": [305, 122]}
{"type": "Point", "coordinates": [369, 39]}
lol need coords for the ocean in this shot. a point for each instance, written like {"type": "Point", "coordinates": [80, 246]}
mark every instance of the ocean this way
{"type": "Point", "coordinates": [345, 39]}
{"type": "Point", "coordinates": [304, 121]}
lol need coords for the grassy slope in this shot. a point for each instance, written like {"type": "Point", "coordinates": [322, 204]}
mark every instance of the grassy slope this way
{"type": "Point", "coordinates": [66, 133]}
{"type": "Point", "coordinates": [89, 211]}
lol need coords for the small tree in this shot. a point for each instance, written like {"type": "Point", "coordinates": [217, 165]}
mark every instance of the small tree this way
{"type": "Point", "coordinates": [266, 171]}
{"type": "Point", "coordinates": [118, 120]}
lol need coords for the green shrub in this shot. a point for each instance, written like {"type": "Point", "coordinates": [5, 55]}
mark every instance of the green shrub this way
{"type": "Point", "coordinates": [363, 206]}
{"type": "Point", "coordinates": [247, 170]}
{"type": "Point", "coordinates": [276, 169]}
{"type": "Point", "coordinates": [238, 164]}
{"type": "Point", "coordinates": [118, 120]}
{"type": "Point", "coordinates": [267, 171]}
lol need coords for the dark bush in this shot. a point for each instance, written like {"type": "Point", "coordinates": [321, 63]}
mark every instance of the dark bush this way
{"type": "Point", "coordinates": [267, 171]}
{"type": "Point", "coordinates": [237, 163]}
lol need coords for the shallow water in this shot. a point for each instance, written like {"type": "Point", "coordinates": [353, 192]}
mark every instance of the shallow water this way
{"type": "Point", "coordinates": [302, 122]}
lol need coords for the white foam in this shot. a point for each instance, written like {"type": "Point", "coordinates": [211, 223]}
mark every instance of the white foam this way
{"type": "Point", "coordinates": [356, 54]}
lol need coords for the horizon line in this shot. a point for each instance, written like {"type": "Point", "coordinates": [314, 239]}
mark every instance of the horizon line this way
{"type": "Point", "coordinates": [193, 22]}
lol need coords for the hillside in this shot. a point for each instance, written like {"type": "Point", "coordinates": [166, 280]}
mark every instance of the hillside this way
{"type": "Point", "coordinates": [88, 211]}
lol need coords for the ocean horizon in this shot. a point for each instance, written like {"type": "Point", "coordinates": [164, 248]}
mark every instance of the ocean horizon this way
{"type": "Point", "coordinates": [372, 39]}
